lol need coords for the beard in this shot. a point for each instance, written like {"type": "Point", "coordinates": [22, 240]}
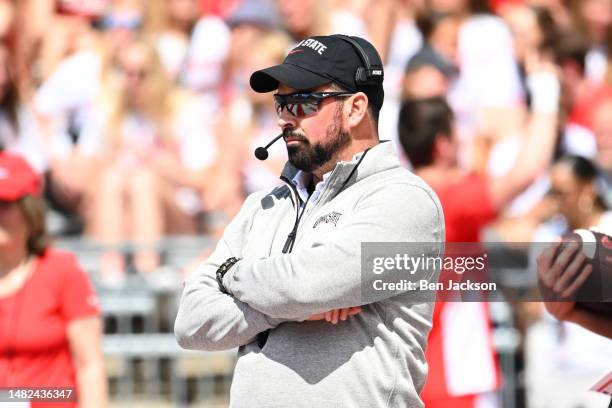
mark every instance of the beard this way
{"type": "Point", "coordinates": [309, 157]}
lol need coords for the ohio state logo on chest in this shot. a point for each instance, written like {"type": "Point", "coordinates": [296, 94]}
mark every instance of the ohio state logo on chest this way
{"type": "Point", "coordinates": [331, 218]}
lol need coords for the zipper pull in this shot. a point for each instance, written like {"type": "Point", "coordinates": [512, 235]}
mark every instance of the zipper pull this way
{"type": "Point", "coordinates": [288, 242]}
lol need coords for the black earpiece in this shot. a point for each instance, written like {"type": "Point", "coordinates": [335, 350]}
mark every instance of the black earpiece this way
{"type": "Point", "coordinates": [368, 74]}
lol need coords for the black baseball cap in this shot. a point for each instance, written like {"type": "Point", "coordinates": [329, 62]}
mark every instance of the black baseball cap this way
{"type": "Point", "coordinates": [320, 60]}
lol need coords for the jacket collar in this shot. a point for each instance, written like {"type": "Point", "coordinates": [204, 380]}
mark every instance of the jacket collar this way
{"type": "Point", "coordinates": [381, 157]}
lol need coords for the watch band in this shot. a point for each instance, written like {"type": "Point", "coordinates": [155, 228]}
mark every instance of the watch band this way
{"type": "Point", "coordinates": [225, 266]}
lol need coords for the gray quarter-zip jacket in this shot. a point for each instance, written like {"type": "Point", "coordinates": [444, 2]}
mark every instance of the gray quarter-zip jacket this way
{"type": "Point", "coordinates": [373, 359]}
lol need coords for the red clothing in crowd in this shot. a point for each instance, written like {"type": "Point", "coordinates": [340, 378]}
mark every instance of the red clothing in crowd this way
{"type": "Point", "coordinates": [467, 207]}
{"type": "Point", "coordinates": [586, 105]}
{"type": "Point", "coordinates": [220, 8]}
{"type": "Point", "coordinates": [461, 332]}
{"type": "Point", "coordinates": [34, 348]}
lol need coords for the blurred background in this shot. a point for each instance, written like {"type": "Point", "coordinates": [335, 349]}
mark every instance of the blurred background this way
{"type": "Point", "coordinates": [139, 116]}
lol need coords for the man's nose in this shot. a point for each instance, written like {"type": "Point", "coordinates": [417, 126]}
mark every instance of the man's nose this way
{"type": "Point", "coordinates": [286, 120]}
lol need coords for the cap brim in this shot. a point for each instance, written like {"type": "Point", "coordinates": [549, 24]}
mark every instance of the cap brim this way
{"type": "Point", "coordinates": [8, 195]}
{"type": "Point", "coordinates": [267, 80]}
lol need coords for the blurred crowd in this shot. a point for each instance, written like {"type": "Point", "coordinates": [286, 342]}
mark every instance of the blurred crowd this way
{"type": "Point", "coordinates": [139, 115]}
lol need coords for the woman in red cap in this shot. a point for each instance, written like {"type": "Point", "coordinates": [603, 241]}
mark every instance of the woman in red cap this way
{"type": "Point", "coordinates": [50, 326]}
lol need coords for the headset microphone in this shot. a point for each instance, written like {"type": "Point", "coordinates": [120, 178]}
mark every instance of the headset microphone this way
{"type": "Point", "coordinates": [262, 152]}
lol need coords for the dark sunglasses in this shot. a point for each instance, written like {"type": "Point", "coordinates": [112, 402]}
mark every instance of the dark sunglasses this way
{"type": "Point", "coordinates": [139, 74]}
{"type": "Point", "coordinates": [6, 204]}
{"type": "Point", "coordinates": [304, 104]}
{"type": "Point", "coordinates": [556, 193]}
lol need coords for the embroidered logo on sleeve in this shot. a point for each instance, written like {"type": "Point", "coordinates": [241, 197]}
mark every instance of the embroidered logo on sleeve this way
{"type": "Point", "coordinates": [331, 218]}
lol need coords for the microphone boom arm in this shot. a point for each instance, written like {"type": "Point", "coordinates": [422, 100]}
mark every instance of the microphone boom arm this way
{"type": "Point", "coordinates": [262, 152]}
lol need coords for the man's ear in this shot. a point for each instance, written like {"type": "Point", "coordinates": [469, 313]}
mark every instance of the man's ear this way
{"type": "Point", "coordinates": [356, 109]}
{"type": "Point", "coordinates": [572, 71]}
{"type": "Point", "coordinates": [443, 147]}
{"type": "Point", "coordinates": [589, 190]}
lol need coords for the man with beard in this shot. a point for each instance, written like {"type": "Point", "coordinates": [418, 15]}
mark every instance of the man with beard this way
{"type": "Point", "coordinates": [291, 260]}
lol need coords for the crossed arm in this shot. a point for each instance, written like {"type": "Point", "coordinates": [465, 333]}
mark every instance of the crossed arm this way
{"type": "Point", "coordinates": [211, 320]}
{"type": "Point", "coordinates": [319, 281]}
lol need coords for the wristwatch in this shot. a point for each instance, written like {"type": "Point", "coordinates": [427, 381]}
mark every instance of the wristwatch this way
{"type": "Point", "coordinates": [225, 266]}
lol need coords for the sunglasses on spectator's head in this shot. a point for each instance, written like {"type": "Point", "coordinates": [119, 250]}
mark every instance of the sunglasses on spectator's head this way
{"type": "Point", "coordinates": [304, 104]}
{"type": "Point", "coordinates": [117, 21]}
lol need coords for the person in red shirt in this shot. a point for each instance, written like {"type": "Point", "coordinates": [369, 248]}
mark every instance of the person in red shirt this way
{"type": "Point", "coordinates": [50, 325]}
{"type": "Point", "coordinates": [463, 368]}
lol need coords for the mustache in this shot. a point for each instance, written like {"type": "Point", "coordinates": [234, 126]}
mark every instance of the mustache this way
{"type": "Point", "coordinates": [294, 135]}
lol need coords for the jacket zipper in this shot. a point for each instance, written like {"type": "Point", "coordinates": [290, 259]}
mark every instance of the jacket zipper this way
{"type": "Point", "coordinates": [291, 238]}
